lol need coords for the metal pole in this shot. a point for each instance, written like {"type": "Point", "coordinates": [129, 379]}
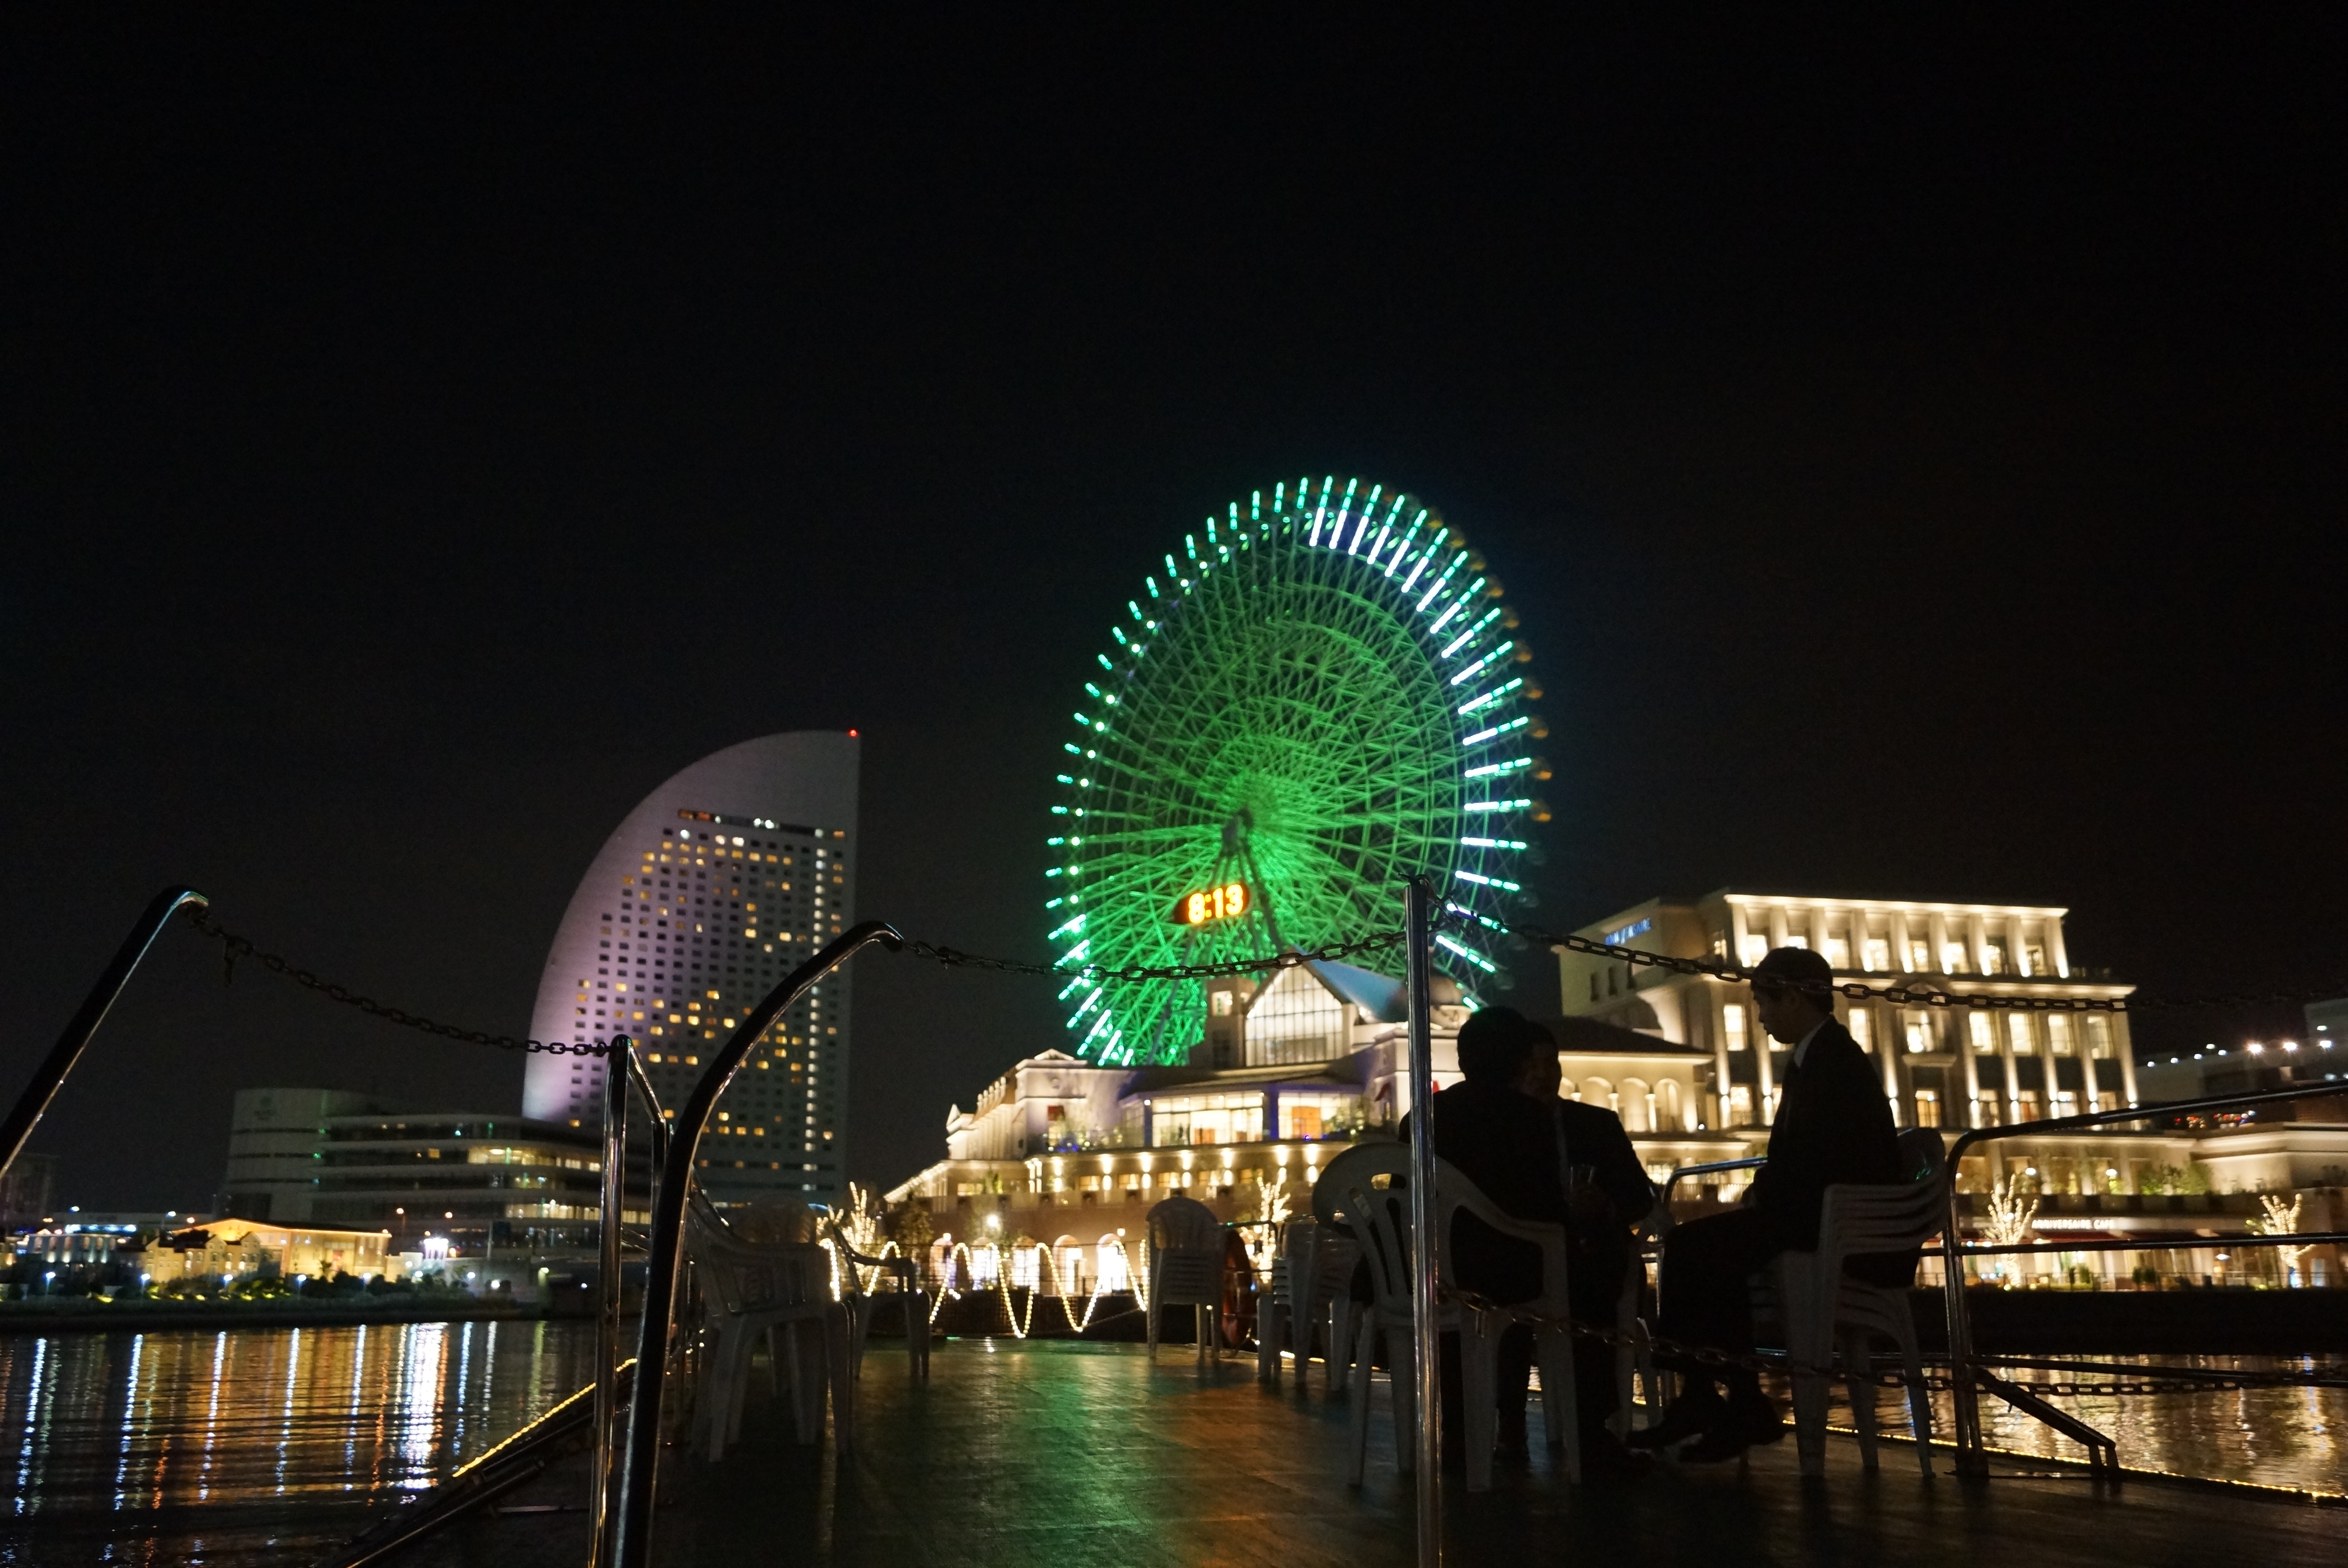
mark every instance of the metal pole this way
{"type": "Point", "coordinates": [27, 1114]}
{"type": "Point", "coordinates": [1963, 1402]}
{"type": "Point", "coordinates": [607, 1287]}
{"type": "Point", "coordinates": [664, 1256]}
{"type": "Point", "coordinates": [1425, 1324]}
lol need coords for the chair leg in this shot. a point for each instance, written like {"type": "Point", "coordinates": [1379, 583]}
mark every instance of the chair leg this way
{"type": "Point", "coordinates": [1553, 1348]}
{"type": "Point", "coordinates": [1402, 1377]}
{"type": "Point", "coordinates": [1478, 1379]}
{"type": "Point", "coordinates": [1149, 1319]}
{"type": "Point", "coordinates": [1808, 1324]}
{"type": "Point", "coordinates": [1341, 1342]}
{"type": "Point", "coordinates": [1271, 1329]}
{"type": "Point", "coordinates": [807, 1353]}
{"type": "Point", "coordinates": [840, 1369]}
{"type": "Point", "coordinates": [1650, 1386]}
{"type": "Point", "coordinates": [917, 1333]}
{"type": "Point", "coordinates": [1358, 1417]}
{"type": "Point", "coordinates": [1203, 1316]}
{"type": "Point", "coordinates": [1861, 1386]}
{"type": "Point", "coordinates": [1920, 1401]}
{"type": "Point", "coordinates": [1626, 1361]}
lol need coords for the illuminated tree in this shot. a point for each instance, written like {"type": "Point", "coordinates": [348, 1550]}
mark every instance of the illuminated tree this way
{"type": "Point", "coordinates": [2279, 1219]}
{"type": "Point", "coordinates": [1321, 696]}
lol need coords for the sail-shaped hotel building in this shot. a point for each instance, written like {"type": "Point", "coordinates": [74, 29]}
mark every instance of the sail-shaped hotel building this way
{"type": "Point", "coordinates": [716, 885]}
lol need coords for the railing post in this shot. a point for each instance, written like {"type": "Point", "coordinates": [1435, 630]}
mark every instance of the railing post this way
{"type": "Point", "coordinates": [665, 1254]}
{"type": "Point", "coordinates": [616, 1058]}
{"type": "Point", "coordinates": [1426, 1338]}
{"type": "Point", "coordinates": [25, 1114]}
{"type": "Point", "coordinates": [1965, 1400]}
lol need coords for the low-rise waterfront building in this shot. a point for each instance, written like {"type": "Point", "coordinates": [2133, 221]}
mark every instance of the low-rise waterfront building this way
{"type": "Point", "coordinates": [232, 1249]}
{"type": "Point", "coordinates": [331, 1157]}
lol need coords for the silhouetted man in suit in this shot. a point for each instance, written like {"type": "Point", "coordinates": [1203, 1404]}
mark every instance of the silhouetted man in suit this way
{"type": "Point", "coordinates": [1832, 1126]}
{"type": "Point", "coordinates": [1505, 1129]}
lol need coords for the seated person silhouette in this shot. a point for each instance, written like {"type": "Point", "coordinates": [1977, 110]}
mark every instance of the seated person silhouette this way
{"type": "Point", "coordinates": [1832, 1124]}
{"type": "Point", "coordinates": [1505, 1129]}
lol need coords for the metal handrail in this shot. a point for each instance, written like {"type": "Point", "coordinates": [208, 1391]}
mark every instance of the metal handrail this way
{"type": "Point", "coordinates": [665, 1252]}
{"type": "Point", "coordinates": [2153, 1243]}
{"type": "Point", "coordinates": [1965, 1372]}
{"type": "Point", "coordinates": [50, 1076]}
{"type": "Point", "coordinates": [1705, 1170]}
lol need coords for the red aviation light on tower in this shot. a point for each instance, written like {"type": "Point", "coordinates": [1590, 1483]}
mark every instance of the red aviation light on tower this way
{"type": "Point", "coordinates": [1227, 902]}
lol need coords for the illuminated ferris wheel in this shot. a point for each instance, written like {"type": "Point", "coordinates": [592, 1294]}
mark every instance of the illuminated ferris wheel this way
{"type": "Point", "coordinates": [1322, 695]}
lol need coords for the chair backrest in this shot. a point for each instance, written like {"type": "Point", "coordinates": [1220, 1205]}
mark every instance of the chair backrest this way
{"type": "Point", "coordinates": [1889, 1216]}
{"type": "Point", "coordinates": [1186, 1254]}
{"type": "Point", "coordinates": [775, 1222]}
{"type": "Point", "coordinates": [742, 1278]}
{"type": "Point", "coordinates": [1354, 1168]}
{"type": "Point", "coordinates": [1185, 1224]}
{"type": "Point", "coordinates": [1345, 1196]}
{"type": "Point", "coordinates": [1454, 1194]}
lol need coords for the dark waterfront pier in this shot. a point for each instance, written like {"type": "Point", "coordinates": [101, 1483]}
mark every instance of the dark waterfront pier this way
{"type": "Point", "coordinates": [1023, 1454]}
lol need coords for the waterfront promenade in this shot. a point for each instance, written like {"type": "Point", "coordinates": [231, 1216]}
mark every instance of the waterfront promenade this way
{"type": "Point", "coordinates": [1071, 1455]}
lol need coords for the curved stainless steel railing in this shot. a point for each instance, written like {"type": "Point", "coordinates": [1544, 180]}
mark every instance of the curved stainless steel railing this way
{"type": "Point", "coordinates": [632, 1512]}
{"type": "Point", "coordinates": [1966, 1377]}
{"type": "Point", "coordinates": [25, 1114]}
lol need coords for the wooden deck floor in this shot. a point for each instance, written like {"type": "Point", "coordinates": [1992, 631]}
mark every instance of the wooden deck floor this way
{"type": "Point", "coordinates": [1064, 1456]}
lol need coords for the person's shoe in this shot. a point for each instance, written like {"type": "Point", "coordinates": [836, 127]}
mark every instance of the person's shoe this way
{"type": "Point", "coordinates": [1691, 1416]}
{"type": "Point", "coordinates": [1743, 1426]}
{"type": "Point", "coordinates": [1514, 1452]}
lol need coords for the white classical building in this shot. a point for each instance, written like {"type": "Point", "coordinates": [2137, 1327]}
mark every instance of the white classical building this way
{"type": "Point", "coordinates": [1943, 1066]}
{"type": "Point", "coordinates": [718, 884]}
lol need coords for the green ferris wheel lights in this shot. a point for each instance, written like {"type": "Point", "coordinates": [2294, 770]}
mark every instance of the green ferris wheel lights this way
{"type": "Point", "coordinates": [1314, 690]}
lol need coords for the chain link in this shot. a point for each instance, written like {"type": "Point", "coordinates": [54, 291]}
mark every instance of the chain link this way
{"type": "Point", "coordinates": [233, 947]}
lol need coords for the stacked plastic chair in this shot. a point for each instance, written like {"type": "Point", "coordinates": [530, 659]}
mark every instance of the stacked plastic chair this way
{"type": "Point", "coordinates": [1186, 1267]}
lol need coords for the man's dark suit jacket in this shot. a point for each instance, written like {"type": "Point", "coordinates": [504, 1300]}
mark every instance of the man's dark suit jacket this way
{"type": "Point", "coordinates": [1833, 1125]}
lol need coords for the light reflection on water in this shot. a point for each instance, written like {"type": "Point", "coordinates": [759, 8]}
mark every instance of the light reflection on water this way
{"type": "Point", "coordinates": [2294, 1437]}
{"type": "Point", "coordinates": [237, 1445]}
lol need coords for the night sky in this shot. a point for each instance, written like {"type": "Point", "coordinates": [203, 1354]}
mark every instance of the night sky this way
{"type": "Point", "coordinates": [1917, 455]}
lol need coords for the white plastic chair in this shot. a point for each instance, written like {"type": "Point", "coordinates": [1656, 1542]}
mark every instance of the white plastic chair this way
{"type": "Point", "coordinates": [750, 1292]}
{"type": "Point", "coordinates": [1186, 1267]}
{"type": "Point", "coordinates": [1375, 1216]}
{"type": "Point", "coordinates": [862, 1304]}
{"type": "Point", "coordinates": [1816, 1304]}
{"type": "Point", "coordinates": [1312, 1274]}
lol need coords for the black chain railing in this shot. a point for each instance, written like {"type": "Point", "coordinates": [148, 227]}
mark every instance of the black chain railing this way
{"type": "Point", "coordinates": [1917, 994]}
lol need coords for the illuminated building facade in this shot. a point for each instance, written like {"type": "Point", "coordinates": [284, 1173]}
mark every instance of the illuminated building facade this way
{"type": "Point", "coordinates": [1950, 1067]}
{"type": "Point", "coordinates": [332, 1157]}
{"type": "Point", "coordinates": [711, 891]}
